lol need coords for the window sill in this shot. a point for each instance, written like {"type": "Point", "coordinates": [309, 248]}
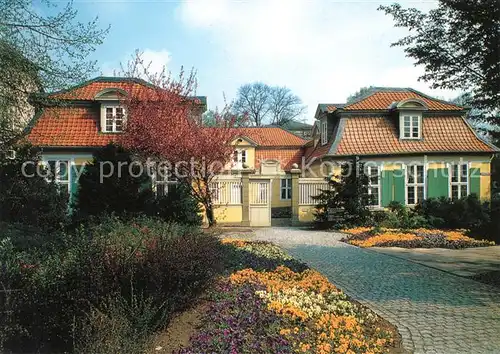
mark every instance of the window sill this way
{"type": "Point", "coordinates": [412, 139]}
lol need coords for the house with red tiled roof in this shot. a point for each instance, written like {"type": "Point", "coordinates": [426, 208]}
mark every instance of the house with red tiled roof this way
{"type": "Point", "coordinates": [89, 116]}
{"type": "Point", "coordinates": [413, 146]}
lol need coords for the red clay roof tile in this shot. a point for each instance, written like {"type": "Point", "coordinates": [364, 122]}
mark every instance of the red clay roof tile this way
{"type": "Point", "coordinates": [68, 126]}
{"type": "Point", "coordinates": [79, 126]}
{"type": "Point", "coordinates": [379, 135]}
{"type": "Point", "coordinates": [286, 157]}
{"type": "Point", "coordinates": [381, 100]}
{"type": "Point", "coordinates": [273, 136]}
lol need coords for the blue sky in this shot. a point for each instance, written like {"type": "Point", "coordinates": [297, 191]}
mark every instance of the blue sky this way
{"type": "Point", "coordinates": [323, 50]}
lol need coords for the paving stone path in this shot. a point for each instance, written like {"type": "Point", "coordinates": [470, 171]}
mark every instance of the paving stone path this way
{"type": "Point", "coordinates": [435, 312]}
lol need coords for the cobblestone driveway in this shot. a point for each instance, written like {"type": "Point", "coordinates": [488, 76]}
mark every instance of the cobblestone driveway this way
{"type": "Point", "coordinates": [435, 312]}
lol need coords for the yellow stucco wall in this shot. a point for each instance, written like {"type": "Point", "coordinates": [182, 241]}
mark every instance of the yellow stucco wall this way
{"type": "Point", "coordinates": [306, 213]}
{"type": "Point", "coordinates": [276, 201]}
{"type": "Point", "coordinates": [250, 149]}
{"type": "Point", "coordinates": [229, 214]}
{"type": "Point", "coordinates": [226, 214]}
{"type": "Point", "coordinates": [82, 161]}
{"type": "Point", "coordinates": [485, 179]}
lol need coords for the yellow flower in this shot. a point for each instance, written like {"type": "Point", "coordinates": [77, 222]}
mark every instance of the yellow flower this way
{"type": "Point", "coordinates": [285, 331]}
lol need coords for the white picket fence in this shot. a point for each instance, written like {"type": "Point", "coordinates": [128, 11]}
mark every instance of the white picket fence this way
{"type": "Point", "coordinates": [309, 188]}
{"type": "Point", "coordinates": [226, 192]}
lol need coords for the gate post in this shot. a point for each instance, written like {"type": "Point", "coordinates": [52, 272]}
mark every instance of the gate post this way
{"type": "Point", "coordinates": [296, 172]}
{"type": "Point", "coordinates": [245, 196]}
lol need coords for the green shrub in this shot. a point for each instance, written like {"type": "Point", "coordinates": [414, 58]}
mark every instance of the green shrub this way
{"type": "Point", "coordinates": [120, 326]}
{"type": "Point", "coordinates": [30, 199]}
{"type": "Point", "coordinates": [493, 229]}
{"type": "Point", "coordinates": [465, 213]}
{"type": "Point", "coordinates": [348, 194]}
{"type": "Point", "coordinates": [107, 187]}
{"type": "Point", "coordinates": [177, 206]}
{"type": "Point", "coordinates": [400, 217]}
{"type": "Point", "coordinates": [150, 263]}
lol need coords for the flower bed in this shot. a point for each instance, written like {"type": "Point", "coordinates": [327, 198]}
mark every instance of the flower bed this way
{"type": "Point", "coordinates": [419, 238]}
{"type": "Point", "coordinates": [285, 310]}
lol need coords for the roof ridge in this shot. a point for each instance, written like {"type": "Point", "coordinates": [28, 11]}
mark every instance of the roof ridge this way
{"type": "Point", "coordinates": [373, 90]}
{"type": "Point", "coordinates": [434, 98]}
{"type": "Point", "coordinates": [100, 79]}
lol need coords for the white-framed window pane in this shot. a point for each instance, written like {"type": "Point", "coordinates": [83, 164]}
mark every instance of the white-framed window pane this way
{"type": "Point", "coordinates": [286, 188]}
{"type": "Point", "coordinates": [109, 125]}
{"type": "Point", "coordinates": [63, 171]}
{"type": "Point", "coordinates": [324, 133]}
{"type": "Point", "coordinates": [420, 174]}
{"type": "Point", "coordinates": [243, 156]}
{"type": "Point", "coordinates": [415, 127]}
{"type": "Point", "coordinates": [51, 165]}
{"type": "Point", "coordinates": [118, 125]}
{"type": "Point", "coordinates": [459, 180]}
{"type": "Point", "coordinates": [420, 193]}
{"type": "Point", "coordinates": [464, 173]}
{"type": "Point", "coordinates": [373, 184]}
{"type": "Point", "coordinates": [463, 190]}
{"type": "Point", "coordinates": [115, 117]}
{"type": "Point", "coordinates": [235, 156]}
{"type": "Point", "coordinates": [411, 195]}
{"type": "Point", "coordinates": [415, 184]}
{"type": "Point", "coordinates": [411, 176]}
{"type": "Point", "coordinates": [454, 173]}
{"type": "Point", "coordinates": [374, 195]}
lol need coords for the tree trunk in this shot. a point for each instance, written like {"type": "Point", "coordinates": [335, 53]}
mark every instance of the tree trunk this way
{"type": "Point", "coordinates": [210, 215]}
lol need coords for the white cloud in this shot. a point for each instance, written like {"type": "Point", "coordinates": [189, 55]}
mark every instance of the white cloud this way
{"type": "Point", "coordinates": [156, 60]}
{"type": "Point", "coordinates": [323, 50]}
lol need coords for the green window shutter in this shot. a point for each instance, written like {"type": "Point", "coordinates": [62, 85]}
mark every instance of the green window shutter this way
{"type": "Point", "coordinates": [437, 183]}
{"type": "Point", "coordinates": [75, 172]}
{"type": "Point", "coordinates": [387, 183]}
{"type": "Point", "coordinates": [399, 186]}
{"type": "Point", "coordinates": [475, 181]}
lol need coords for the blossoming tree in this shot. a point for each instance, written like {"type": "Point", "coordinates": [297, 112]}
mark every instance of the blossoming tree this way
{"type": "Point", "coordinates": [164, 123]}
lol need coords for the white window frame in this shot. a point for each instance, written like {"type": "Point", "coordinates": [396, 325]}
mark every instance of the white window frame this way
{"type": "Point", "coordinates": [415, 118]}
{"type": "Point", "coordinates": [415, 183]}
{"type": "Point", "coordinates": [287, 188]}
{"type": "Point", "coordinates": [57, 166]}
{"type": "Point", "coordinates": [105, 118]}
{"type": "Point", "coordinates": [162, 183]}
{"type": "Point", "coordinates": [459, 183]}
{"type": "Point", "coordinates": [240, 157]}
{"type": "Point", "coordinates": [371, 185]}
{"type": "Point", "coordinates": [324, 132]}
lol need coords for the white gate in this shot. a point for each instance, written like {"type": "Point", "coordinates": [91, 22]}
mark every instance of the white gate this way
{"type": "Point", "coordinates": [260, 203]}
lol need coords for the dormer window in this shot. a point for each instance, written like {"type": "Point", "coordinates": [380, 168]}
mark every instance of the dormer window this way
{"type": "Point", "coordinates": [411, 125]}
{"type": "Point", "coordinates": [410, 117]}
{"type": "Point", "coordinates": [239, 158]}
{"type": "Point", "coordinates": [114, 118]}
{"type": "Point", "coordinates": [324, 132]}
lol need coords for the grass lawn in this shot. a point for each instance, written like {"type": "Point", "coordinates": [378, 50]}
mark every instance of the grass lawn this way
{"type": "Point", "coordinates": [418, 238]}
{"type": "Point", "coordinates": [267, 302]}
